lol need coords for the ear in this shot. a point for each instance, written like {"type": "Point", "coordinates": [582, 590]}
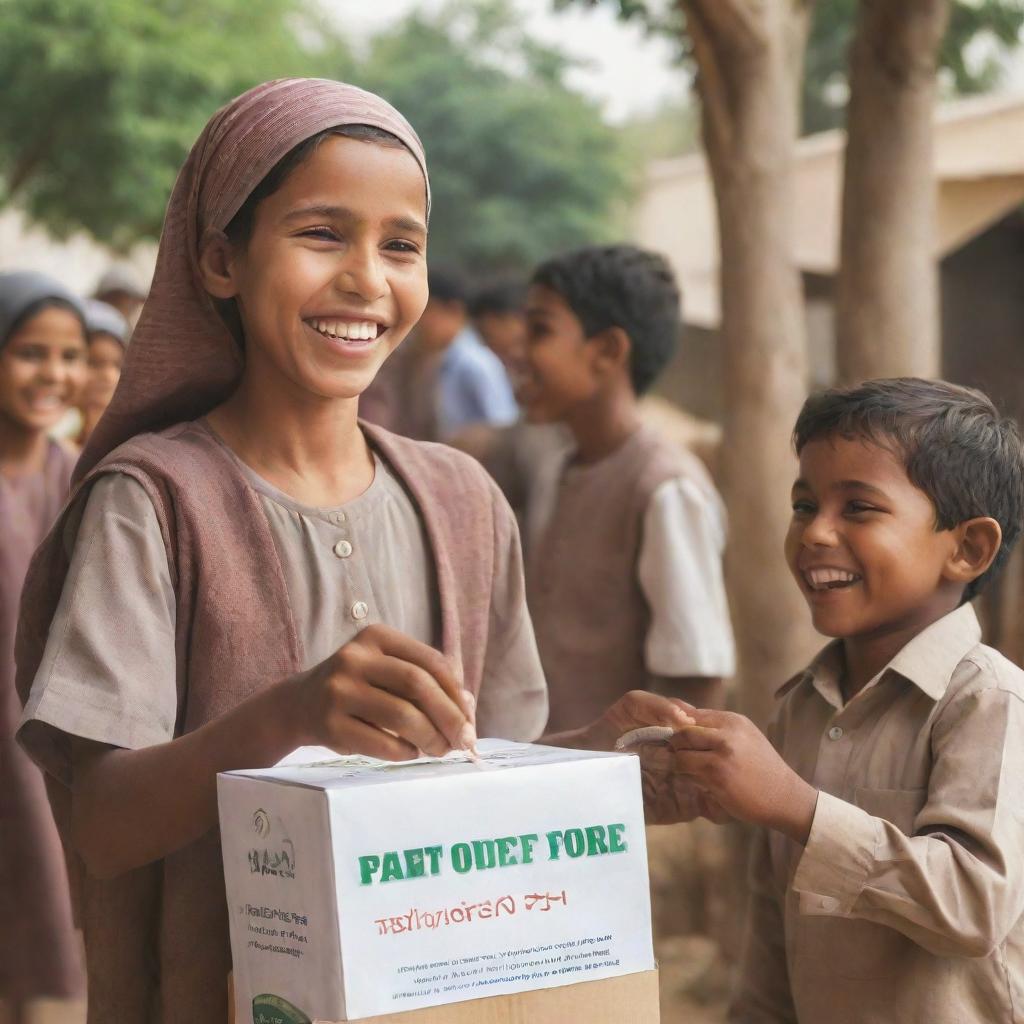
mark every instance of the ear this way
{"type": "Point", "coordinates": [612, 349]}
{"type": "Point", "coordinates": [977, 544]}
{"type": "Point", "coordinates": [216, 265]}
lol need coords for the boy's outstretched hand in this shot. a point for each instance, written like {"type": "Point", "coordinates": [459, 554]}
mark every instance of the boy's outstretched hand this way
{"type": "Point", "coordinates": [736, 765]}
{"type": "Point", "coordinates": [669, 796]}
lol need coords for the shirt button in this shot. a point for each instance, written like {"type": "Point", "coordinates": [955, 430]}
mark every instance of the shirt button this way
{"type": "Point", "coordinates": [343, 549]}
{"type": "Point", "coordinates": [835, 733]}
{"type": "Point", "coordinates": [337, 518]}
{"type": "Point", "coordinates": [360, 610]}
{"type": "Point", "coordinates": [829, 904]}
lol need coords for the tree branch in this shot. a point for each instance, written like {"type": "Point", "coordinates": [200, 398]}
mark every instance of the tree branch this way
{"type": "Point", "coordinates": [716, 118]}
{"type": "Point", "coordinates": [736, 24]}
{"type": "Point", "coordinates": [904, 37]}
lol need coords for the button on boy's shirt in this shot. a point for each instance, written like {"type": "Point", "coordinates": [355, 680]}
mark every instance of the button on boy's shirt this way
{"type": "Point", "coordinates": [907, 903]}
{"type": "Point", "coordinates": [344, 568]}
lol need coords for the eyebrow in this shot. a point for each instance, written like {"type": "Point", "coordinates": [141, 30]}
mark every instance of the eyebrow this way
{"type": "Point", "coordinates": [329, 212]}
{"type": "Point", "coordinates": [844, 485]}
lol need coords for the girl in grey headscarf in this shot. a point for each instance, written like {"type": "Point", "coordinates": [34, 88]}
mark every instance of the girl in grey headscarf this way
{"type": "Point", "coordinates": [108, 339]}
{"type": "Point", "coordinates": [42, 366]}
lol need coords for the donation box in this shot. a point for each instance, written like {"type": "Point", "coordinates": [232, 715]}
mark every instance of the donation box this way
{"type": "Point", "coordinates": [359, 888]}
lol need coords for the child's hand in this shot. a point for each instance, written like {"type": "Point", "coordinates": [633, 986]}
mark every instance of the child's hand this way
{"type": "Point", "coordinates": [669, 795]}
{"type": "Point", "coordinates": [634, 710]}
{"type": "Point", "coordinates": [733, 761]}
{"type": "Point", "coordinates": [385, 695]}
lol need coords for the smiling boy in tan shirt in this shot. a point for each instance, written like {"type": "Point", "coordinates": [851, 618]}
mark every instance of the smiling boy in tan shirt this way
{"type": "Point", "coordinates": [888, 881]}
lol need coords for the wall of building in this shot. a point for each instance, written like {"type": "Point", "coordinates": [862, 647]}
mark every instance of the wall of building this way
{"type": "Point", "coordinates": [983, 314]}
{"type": "Point", "coordinates": [78, 261]}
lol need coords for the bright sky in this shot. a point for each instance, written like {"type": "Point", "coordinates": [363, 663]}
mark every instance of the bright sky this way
{"type": "Point", "coordinates": [628, 72]}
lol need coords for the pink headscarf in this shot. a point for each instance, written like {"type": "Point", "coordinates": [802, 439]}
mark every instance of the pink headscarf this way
{"type": "Point", "coordinates": [183, 360]}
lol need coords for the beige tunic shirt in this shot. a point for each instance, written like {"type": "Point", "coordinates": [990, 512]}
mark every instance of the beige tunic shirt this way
{"type": "Point", "coordinates": [906, 903]}
{"type": "Point", "coordinates": [108, 673]}
{"type": "Point", "coordinates": [624, 575]}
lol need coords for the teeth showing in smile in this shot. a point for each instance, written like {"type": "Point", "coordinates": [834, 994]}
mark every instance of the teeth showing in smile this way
{"type": "Point", "coordinates": [47, 402]}
{"type": "Point", "coordinates": [358, 330]}
{"type": "Point", "coordinates": [829, 579]}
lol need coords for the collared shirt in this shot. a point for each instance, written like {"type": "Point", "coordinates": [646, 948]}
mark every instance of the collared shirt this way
{"type": "Point", "coordinates": [472, 387]}
{"type": "Point", "coordinates": [907, 902]}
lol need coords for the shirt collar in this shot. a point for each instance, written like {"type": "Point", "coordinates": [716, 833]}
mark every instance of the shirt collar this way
{"type": "Point", "coordinates": [931, 658]}
{"type": "Point", "coordinates": [928, 660]}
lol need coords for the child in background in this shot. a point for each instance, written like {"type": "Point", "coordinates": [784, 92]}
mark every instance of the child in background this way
{"type": "Point", "coordinates": [244, 568]}
{"type": "Point", "coordinates": [888, 877]}
{"type": "Point", "coordinates": [42, 364]}
{"type": "Point", "coordinates": [625, 541]}
{"type": "Point", "coordinates": [108, 339]}
{"type": "Point", "coordinates": [497, 311]}
{"type": "Point", "coordinates": [445, 385]}
{"type": "Point", "coordinates": [119, 287]}
{"type": "Point", "coordinates": [520, 457]}
{"type": "Point", "coordinates": [472, 386]}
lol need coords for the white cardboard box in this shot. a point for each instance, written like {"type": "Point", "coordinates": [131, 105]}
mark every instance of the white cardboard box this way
{"type": "Point", "coordinates": [358, 888]}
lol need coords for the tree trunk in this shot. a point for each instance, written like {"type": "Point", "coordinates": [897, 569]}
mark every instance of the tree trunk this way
{"type": "Point", "coordinates": [749, 56]}
{"type": "Point", "coordinates": [887, 306]}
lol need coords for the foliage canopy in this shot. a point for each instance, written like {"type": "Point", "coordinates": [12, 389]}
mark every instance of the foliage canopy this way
{"type": "Point", "coordinates": [981, 35]}
{"type": "Point", "coordinates": [102, 98]}
{"type": "Point", "coordinates": [521, 166]}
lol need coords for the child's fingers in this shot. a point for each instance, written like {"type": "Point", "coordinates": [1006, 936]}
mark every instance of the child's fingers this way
{"type": "Point", "coordinates": [381, 708]}
{"type": "Point", "coordinates": [397, 645]}
{"type": "Point", "coordinates": [468, 704]}
{"type": "Point", "coordinates": [713, 811]}
{"type": "Point", "coordinates": [419, 687]}
{"type": "Point", "coordinates": [712, 718]}
{"type": "Point", "coordinates": [697, 737]}
{"type": "Point", "coordinates": [356, 737]}
{"type": "Point", "coordinates": [694, 762]}
{"type": "Point", "coordinates": [642, 709]}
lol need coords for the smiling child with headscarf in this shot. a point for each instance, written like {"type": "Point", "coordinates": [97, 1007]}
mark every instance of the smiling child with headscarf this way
{"type": "Point", "coordinates": [246, 568]}
{"type": "Point", "coordinates": [42, 358]}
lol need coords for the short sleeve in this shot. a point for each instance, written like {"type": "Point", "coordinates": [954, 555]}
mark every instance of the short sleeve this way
{"type": "Point", "coordinates": [680, 573]}
{"type": "Point", "coordinates": [513, 700]}
{"type": "Point", "coordinates": [108, 671]}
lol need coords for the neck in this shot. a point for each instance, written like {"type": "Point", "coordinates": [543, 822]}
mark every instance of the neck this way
{"type": "Point", "coordinates": [90, 417]}
{"type": "Point", "coordinates": [866, 656]}
{"type": "Point", "coordinates": [314, 451]}
{"type": "Point", "coordinates": [22, 449]}
{"type": "Point", "coordinates": [603, 425]}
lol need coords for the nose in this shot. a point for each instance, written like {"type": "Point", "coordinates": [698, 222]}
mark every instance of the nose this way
{"type": "Point", "coordinates": [819, 531]}
{"type": "Point", "coordinates": [52, 370]}
{"type": "Point", "coordinates": [362, 273]}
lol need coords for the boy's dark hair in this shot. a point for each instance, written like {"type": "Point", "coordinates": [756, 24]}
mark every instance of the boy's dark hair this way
{"type": "Point", "coordinates": [40, 306]}
{"type": "Point", "coordinates": [621, 286]}
{"type": "Point", "coordinates": [239, 228]}
{"type": "Point", "coordinates": [447, 284]}
{"type": "Point", "coordinates": [499, 296]}
{"type": "Point", "coordinates": [954, 444]}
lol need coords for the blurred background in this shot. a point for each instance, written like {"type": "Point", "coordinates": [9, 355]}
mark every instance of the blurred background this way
{"type": "Point", "coordinates": [837, 184]}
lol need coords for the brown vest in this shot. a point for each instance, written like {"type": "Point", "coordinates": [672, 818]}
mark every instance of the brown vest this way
{"type": "Point", "coordinates": [157, 937]}
{"type": "Point", "coordinates": [589, 613]}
